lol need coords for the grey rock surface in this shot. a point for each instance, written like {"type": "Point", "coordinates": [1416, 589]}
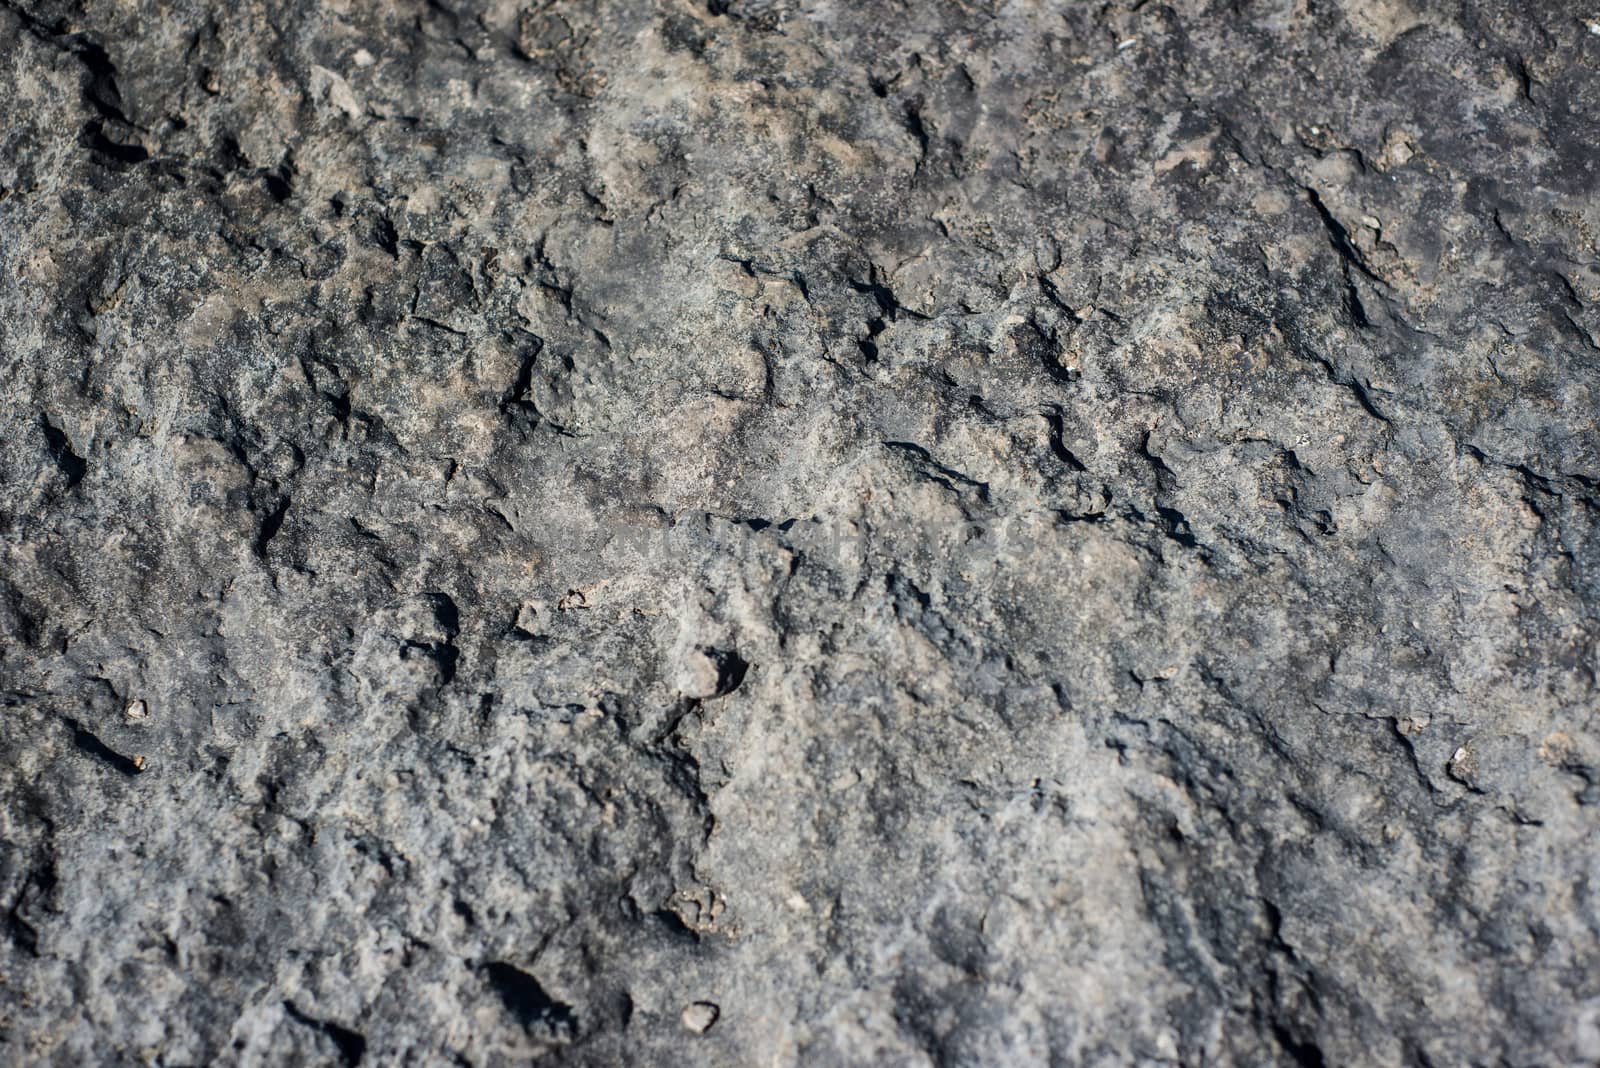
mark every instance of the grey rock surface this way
{"type": "Point", "coordinates": [799, 532]}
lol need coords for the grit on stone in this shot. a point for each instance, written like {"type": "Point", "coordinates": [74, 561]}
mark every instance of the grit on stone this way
{"type": "Point", "coordinates": [799, 532]}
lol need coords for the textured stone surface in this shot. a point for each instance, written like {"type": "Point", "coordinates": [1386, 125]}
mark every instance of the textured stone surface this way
{"type": "Point", "coordinates": [799, 532]}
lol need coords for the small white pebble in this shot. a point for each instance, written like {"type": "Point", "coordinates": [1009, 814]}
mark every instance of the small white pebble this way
{"type": "Point", "coordinates": [1594, 28]}
{"type": "Point", "coordinates": [1123, 46]}
{"type": "Point", "coordinates": [698, 1016]}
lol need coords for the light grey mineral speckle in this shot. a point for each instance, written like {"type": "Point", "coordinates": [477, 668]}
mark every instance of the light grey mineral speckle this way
{"type": "Point", "coordinates": [799, 533]}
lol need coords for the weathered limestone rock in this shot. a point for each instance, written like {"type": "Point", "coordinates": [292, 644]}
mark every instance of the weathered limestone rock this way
{"type": "Point", "coordinates": [799, 532]}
